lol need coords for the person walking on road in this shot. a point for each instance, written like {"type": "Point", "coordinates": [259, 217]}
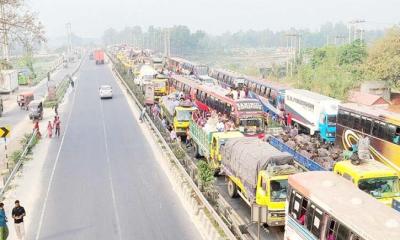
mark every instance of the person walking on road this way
{"type": "Point", "coordinates": [18, 213]}
{"type": "Point", "coordinates": [141, 118]}
{"type": "Point", "coordinates": [49, 130]}
{"type": "Point", "coordinates": [56, 108]}
{"type": "Point", "coordinates": [36, 128]}
{"type": "Point", "coordinates": [3, 223]}
{"type": "Point", "coordinates": [57, 126]}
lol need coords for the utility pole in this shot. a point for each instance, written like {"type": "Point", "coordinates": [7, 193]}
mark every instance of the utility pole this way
{"type": "Point", "coordinates": [167, 43]}
{"type": "Point", "coordinates": [69, 37]}
{"type": "Point", "coordinates": [353, 29]}
{"type": "Point", "coordinates": [294, 50]}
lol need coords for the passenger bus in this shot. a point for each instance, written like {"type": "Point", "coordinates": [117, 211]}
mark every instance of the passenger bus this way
{"type": "Point", "coordinates": [183, 66]}
{"type": "Point", "coordinates": [228, 78]}
{"type": "Point", "coordinates": [247, 114]}
{"type": "Point", "coordinates": [325, 206]}
{"type": "Point", "coordinates": [271, 95]}
{"type": "Point", "coordinates": [380, 125]}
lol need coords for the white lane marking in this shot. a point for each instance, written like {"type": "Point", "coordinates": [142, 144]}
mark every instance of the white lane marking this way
{"type": "Point", "coordinates": [54, 169]}
{"type": "Point", "coordinates": [114, 199]}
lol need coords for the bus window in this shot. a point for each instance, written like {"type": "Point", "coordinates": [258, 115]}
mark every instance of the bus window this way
{"type": "Point", "coordinates": [366, 124]}
{"type": "Point", "coordinates": [396, 138]}
{"type": "Point", "coordinates": [343, 233]}
{"type": "Point", "coordinates": [330, 233]}
{"type": "Point", "coordinates": [355, 237]}
{"type": "Point", "coordinates": [314, 220]}
{"type": "Point", "coordinates": [378, 129]}
{"type": "Point", "coordinates": [356, 121]}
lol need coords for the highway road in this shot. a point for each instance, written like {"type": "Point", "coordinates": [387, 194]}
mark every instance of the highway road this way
{"type": "Point", "coordinates": [103, 179]}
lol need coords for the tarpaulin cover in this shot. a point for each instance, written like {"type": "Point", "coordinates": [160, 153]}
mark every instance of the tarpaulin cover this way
{"type": "Point", "coordinates": [245, 157]}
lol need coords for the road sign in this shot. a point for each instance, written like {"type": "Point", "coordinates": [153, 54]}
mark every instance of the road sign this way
{"type": "Point", "coordinates": [4, 132]}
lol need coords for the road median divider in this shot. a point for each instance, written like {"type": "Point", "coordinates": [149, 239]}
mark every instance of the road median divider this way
{"type": "Point", "coordinates": [61, 89]}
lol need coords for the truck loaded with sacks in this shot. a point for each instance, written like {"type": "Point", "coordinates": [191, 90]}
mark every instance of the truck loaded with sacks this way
{"type": "Point", "coordinates": [258, 173]}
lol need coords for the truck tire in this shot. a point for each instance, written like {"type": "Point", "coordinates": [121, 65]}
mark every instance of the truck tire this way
{"type": "Point", "coordinates": [232, 189]}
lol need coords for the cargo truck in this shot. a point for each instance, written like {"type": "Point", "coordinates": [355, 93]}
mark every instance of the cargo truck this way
{"type": "Point", "coordinates": [312, 112]}
{"type": "Point", "coordinates": [99, 56]}
{"type": "Point", "coordinates": [178, 113]}
{"type": "Point", "coordinates": [258, 173]}
{"type": "Point", "coordinates": [8, 81]}
{"type": "Point", "coordinates": [207, 143]}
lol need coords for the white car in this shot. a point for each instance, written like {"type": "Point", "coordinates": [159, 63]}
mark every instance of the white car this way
{"type": "Point", "coordinates": [105, 91]}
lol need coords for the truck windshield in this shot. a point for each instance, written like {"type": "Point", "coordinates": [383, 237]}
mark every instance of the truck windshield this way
{"type": "Point", "coordinates": [331, 119]}
{"type": "Point", "coordinates": [251, 126]}
{"type": "Point", "coordinates": [183, 115]}
{"type": "Point", "coordinates": [381, 187]}
{"type": "Point", "coordinates": [279, 190]}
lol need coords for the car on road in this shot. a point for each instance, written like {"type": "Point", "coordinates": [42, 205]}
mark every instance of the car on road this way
{"type": "Point", "coordinates": [105, 91]}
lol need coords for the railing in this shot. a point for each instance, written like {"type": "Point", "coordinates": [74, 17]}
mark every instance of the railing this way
{"type": "Point", "coordinates": [303, 161]}
{"type": "Point", "coordinates": [27, 147]}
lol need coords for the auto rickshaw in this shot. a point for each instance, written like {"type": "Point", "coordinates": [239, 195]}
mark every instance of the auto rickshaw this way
{"type": "Point", "coordinates": [24, 99]}
{"type": "Point", "coordinates": [35, 110]}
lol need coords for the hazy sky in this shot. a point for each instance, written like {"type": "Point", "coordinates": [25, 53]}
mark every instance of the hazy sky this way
{"type": "Point", "coordinates": [90, 18]}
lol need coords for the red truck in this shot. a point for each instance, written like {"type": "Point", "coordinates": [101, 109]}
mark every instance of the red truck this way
{"type": "Point", "coordinates": [99, 56]}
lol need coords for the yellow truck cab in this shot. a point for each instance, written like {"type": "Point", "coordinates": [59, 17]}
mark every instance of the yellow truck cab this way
{"type": "Point", "coordinates": [160, 86]}
{"type": "Point", "coordinates": [258, 173]}
{"type": "Point", "coordinates": [181, 117]}
{"type": "Point", "coordinates": [373, 178]}
{"type": "Point", "coordinates": [177, 112]}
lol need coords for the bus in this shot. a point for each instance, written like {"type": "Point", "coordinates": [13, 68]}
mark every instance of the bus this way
{"type": "Point", "coordinates": [247, 114]}
{"type": "Point", "coordinates": [380, 125]}
{"type": "Point", "coordinates": [228, 78]}
{"type": "Point", "coordinates": [183, 66]}
{"type": "Point", "coordinates": [325, 206]}
{"type": "Point", "coordinates": [271, 95]}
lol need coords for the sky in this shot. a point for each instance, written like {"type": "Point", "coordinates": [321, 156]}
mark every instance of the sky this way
{"type": "Point", "coordinates": [89, 18]}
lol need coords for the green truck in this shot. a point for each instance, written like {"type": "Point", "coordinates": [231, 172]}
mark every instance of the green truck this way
{"type": "Point", "coordinates": [207, 144]}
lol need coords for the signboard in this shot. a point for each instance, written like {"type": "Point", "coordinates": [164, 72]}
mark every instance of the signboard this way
{"type": "Point", "coordinates": [249, 106]}
{"type": "Point", "coordinates": [149, 94]}
{"type": "Point", "coordinates": [4, 132]}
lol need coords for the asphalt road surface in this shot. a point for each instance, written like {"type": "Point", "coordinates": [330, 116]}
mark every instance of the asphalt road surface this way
{"type": "Point", "coordinates": [106, 183]}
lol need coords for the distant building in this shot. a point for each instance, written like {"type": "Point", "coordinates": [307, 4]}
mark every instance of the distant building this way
{"type": "Point", "coordinates": [379, 88]}
{"type": "Point", "coordinates": [367, 99]}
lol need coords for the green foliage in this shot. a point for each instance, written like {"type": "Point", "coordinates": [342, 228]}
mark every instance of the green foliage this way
{"type": "Point", "coordinates": [354, 53]}
{"type": "Point", "coordinates": [383, 61]}
{"type": "Point", "coordinates": [205, 174]}
{"type": "Point", "coordinates": [332, 71]}
{"type": "Point", "coordinates": [15, 156]}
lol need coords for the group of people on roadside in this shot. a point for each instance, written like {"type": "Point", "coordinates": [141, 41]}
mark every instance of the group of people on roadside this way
{"type": "Point", "coordinates": [18, 213]}
{"type": "Point", "coordinates": [55, 125]}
